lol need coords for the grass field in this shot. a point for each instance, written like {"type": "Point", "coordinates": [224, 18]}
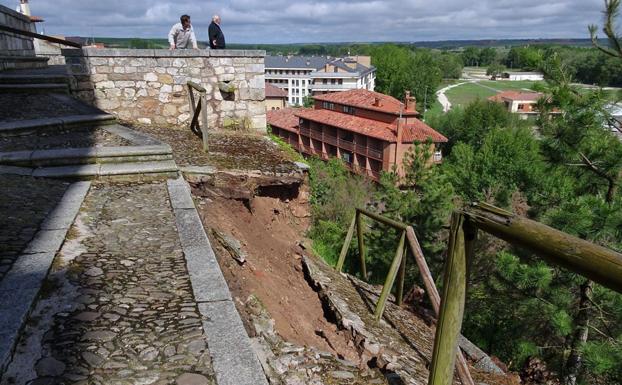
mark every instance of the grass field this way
{"type": "Point", "coordinates": [505, 85]}
{"type": "Point", "coordinates": [467, 93]}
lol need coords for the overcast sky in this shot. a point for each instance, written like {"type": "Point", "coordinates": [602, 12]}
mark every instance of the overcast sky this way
{"type": "Point", "coordinates": [284, 21]}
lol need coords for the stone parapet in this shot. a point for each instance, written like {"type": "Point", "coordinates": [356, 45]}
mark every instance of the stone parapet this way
{"type": "Point", "coordinates": [150, 86]}
{"type": "Point", "coordinates": [13, 45]}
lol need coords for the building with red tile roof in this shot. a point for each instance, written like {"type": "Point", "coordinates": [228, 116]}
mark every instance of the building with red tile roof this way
{"type": "Point", "coordinates": [370, 131]}
{"type": "Point", "coordinates": [519, 102]}
{"type": "Point", "coordinates": [276, 98]}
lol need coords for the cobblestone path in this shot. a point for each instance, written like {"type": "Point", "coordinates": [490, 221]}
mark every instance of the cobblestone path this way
{"type": "Point", "coordinates": [24, 204]}
{"type": "Point", "coordinates": [118, 307]}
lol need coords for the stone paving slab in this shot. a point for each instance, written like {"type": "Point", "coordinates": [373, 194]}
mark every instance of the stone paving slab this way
{"type": "Point", "coordinates": [25, 203]}
{"type": "Point", "coordinates": [22, 283]}
{"type": "Point", "coordinates": [234, 360]}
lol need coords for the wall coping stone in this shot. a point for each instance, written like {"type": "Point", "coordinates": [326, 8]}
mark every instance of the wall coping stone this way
{"type": "Point", "coordinates": [161, 53]}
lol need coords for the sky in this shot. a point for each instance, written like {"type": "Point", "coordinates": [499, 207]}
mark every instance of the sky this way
{"type": "Point", "coordinates": [304, 21]}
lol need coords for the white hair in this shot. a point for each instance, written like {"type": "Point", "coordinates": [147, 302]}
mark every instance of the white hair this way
{"type": "Point", "coordinates": [215, 18]}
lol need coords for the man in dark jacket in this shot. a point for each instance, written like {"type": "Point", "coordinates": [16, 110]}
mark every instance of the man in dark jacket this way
{"type": "Point", "coordinates": [216, 37]}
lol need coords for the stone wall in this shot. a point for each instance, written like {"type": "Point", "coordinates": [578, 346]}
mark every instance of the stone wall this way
{"type": "Point", "coordinates": [149, 86]}
{"type": "Point", "coordinates": [12, 45]}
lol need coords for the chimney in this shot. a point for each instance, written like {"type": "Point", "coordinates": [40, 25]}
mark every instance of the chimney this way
{"type": "Point", "coordinates": [410, 102]}
{"type": "Point", "coordinates": [400, 125]}
{"type": "Point", "coordinates": [24, 7]}
{"type": "Point", "coordinates": [377, 102]}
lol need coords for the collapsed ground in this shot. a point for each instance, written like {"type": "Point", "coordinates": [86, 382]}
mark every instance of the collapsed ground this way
{"type": "Point", "coordinates": [255, 209]}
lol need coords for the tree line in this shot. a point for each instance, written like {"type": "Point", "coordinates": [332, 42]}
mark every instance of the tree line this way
{"type": "Point", "coordinates": [566, 172]}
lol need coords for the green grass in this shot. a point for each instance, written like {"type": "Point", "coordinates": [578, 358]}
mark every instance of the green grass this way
{"type": "Point", "coordinates": [467, 93]}
{"type": "Point", "coordinates": [505, 85]}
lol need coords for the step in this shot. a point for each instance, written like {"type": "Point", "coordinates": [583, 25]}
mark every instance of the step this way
{"type": "Point", "coordinates": [23, 62]}
{"type": "Point", "coordinates": [33, 79]}
{"type": "Point", "coordinates": [33, 126]}
{"type": "Point", "coordinates": [36, 88]}
{"type": "Point", "coordinates": [89, 155]}
{"type": "Point", "coordinates": [166, 168]}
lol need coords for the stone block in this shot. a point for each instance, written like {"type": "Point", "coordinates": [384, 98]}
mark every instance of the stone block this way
{"type": "Point", "coordinates": [166, 79]}
{"type": "Point", "coordinates": [254, 68]}
{"type": "Point", "coordinates": [233, 357]}
{"type": "Point", "coordinates": [151, 77]}
{"type": "Point", "coordinates": [46, 241]}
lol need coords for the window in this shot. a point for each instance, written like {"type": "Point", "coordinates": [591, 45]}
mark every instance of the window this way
{"type": "Point", "coordinates": [340, 81]}
{"type": "Point", "coordinates": [332, 81]}
{"type": "Point", "coordinates": [347, 157]}
{"type": "Point", "coordinates": [521, 107]}
{"type": "Point", "coordinates": [348, 110]}
{"type": "Point", "coordinates": [324, 81]}
{"type": "Point", "coordinates": [328, 106]}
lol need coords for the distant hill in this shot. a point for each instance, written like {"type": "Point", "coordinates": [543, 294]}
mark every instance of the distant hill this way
{"type": "Point", "coordinates": [288, 48]}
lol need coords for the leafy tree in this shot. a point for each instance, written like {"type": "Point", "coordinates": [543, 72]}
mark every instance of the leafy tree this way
{"type": "Point", "coordinates": [487, 56]}
{"type": "Point", "coordinates": [495, 69]}
{"type": "Point", "coordinates": [471, 56]}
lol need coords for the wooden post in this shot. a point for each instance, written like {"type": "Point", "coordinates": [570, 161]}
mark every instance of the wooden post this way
{"type": "Point", "coordinates": [401, 277]}
{"type": "Point", "coordinates": [452, 307]}
{"type": "Point", "coordinates": [361, 242]}
{"type": "Point", "coordinates": [428, 281]}
{"type": "Point", "coordinates": [204, 121]}
{"type": "Point", "coordinates": [430, 288]}
{"type": "Point", "coordinates": [346, 246]}
{"type": "Point", "coordinates": [600, 264]}
{"type": "Point", "coordinates": [388, 284]}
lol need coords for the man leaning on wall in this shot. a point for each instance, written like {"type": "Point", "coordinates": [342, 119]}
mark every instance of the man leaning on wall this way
{"type": "Point", "coordinates": [182, 35]}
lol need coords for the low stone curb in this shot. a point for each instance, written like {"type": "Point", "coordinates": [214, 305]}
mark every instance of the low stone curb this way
{"type": "Point", "coordinates": [233, 358]}
{"type": "Point", "coordinates": [21, 285]}
{"type": "Point", "coordinates": [26, 126]}
{"type": "Point", "coordinates": [90, 171]}
{"type": "Point", "coordinates": [105, 154]}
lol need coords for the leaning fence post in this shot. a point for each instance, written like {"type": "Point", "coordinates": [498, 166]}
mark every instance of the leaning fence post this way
{"type": "Point", "coordinates": [346, 246]}
{"type": "Point", "coordinates": [401, 277]}
{"type": "Point", "coordinates": [204, 121]}
{"type": "Point", "coordinates": [452, 306]}
{"type": "Point", "coordinates": [361, 241]}
{"type": "Point", "coordinates": [388, 284]}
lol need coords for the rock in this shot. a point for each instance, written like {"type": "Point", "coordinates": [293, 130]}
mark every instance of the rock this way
{"type": "Point", "coordinates": [343, 375]}
{"type": "Point", "coordinates": [87, 316]}
{"type": "Point", "coordinates": [191, 379]}
{"type": "Point", "coordinates": [196, 347]}
{"type": "Point", "coordinates": [49, 367]}
{"type": "Point", "coordinates": [94, 272]}
{"type": "Point", "coordinates": [100, 335]}
{"type": "Point", "coordinates": [92, 359]}
{"type": "Point", "coordinates": [149, 354]}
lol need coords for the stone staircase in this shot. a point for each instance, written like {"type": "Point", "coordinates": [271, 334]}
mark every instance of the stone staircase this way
{"type": "Point", "coordinates": [52, 80]}
{"type": "Point", "coordinates": [84, 143]}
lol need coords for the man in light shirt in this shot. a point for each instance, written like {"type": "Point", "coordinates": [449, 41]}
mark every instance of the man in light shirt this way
{"type": "Point", "coordinates": [182, 35]}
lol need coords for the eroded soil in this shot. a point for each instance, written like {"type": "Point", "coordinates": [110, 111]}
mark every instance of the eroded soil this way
{"type": "Point", "coordinates": [273, 271]}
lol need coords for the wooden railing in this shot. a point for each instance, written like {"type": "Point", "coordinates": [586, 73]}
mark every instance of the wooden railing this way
{"type": "Point", "coordinates": [198, 107]}
{"type": "Point", "coordinates": [398, 270]}
{"type": "Point", "coordinates": [39, 36]}
{"type": "Point", "coordinates": [601, 265]}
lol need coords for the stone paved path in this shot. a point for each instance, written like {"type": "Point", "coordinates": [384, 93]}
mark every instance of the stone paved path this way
{"type": "Point", "coordinates": [24, 204]}
{"type": "Point", "coordinates": [118, 306]}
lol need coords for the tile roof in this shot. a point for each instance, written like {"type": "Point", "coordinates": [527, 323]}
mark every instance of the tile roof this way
{"type": "Point", "coordinates": [273, 91]}
{"type": "Point", "coordinates": [516, 95]}
{"type": "Point", "coordinates": [297, 62]}
{"type": "Point", "coordinates": [284, 118]}
{"type": "Point", "coordinates": [417, 131]}
{"type": "Point", "coordinates": [366, 99]}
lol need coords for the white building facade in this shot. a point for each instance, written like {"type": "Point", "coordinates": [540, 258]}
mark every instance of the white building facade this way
{"type": "Point", "coordinates": [302, 76]}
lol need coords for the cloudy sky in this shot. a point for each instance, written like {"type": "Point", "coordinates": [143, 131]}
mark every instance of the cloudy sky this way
{"type": "Point", "coordinates": [284, 21]}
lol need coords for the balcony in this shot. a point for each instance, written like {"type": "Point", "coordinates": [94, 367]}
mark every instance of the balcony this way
{"type": "Point", "coordinates": [345, 144]}
{"type": "Point", "coordinates": [305, 131]}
